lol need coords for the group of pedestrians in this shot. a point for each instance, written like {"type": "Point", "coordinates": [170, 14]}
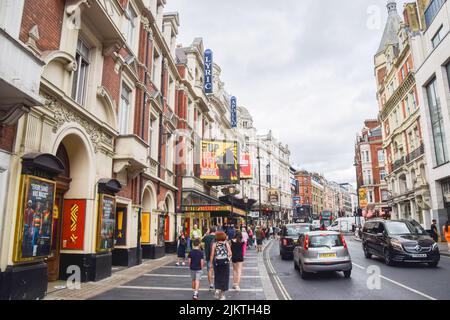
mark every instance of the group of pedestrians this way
{"type": "Point", "coordinates": [219, 248]}
{"type": "Point", "coordinates": [445, 232]}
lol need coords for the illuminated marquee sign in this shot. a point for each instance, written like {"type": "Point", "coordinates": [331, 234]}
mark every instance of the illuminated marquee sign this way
{"type": "Point", "coordinates": [208, 71]}
{"type": "Point", "coordinates": [233, 112]}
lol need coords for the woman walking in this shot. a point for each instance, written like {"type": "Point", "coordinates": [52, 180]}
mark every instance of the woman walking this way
{"type": "Point", "coordinates": [237, 257]}
{"type": "Point", "coordinates": [245, 239]}
{"type": "Point", "coordinates": [446, 230]}
{"type": "Point", "coordinates": [221, 256]}
{"type": "Point", "coordinates": [181, 251]}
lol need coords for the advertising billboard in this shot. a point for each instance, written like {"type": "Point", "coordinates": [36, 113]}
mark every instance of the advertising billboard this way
{"type": "Point", "coordinates": [74, 216]}
{"type": "Point", "coordinates": [273, 195]}
{"type": "Point", "coordinates": [245, 166]}
{"type": "Point", "coordinates": [363, 198]}
{"type": "Point", "coordinates": [219, 161]}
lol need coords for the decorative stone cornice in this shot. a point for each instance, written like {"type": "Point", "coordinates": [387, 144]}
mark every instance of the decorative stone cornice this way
{"type": "Point", "coordinates": [401, 91]}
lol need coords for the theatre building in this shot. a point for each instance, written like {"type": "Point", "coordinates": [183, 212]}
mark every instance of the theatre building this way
{"type": "Point", "coordinates": [87, 176]}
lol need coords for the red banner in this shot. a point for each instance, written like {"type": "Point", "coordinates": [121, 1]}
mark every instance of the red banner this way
{"type": "Point", "coordinates": [245, 166]}
{"type": "Point", "coordinates": [73, 224]}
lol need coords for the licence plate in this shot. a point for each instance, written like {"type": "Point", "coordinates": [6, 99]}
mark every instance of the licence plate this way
{"type": "Point", "coordinates": [327, 255]}
{"type": "Point", "coordinates": [419, 255]}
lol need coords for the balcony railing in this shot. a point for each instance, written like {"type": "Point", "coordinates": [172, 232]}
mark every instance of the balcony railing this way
{"type": "Point", "coordinates": [415, 154]}
{"type": "Point", "coordinates": [399, 163]}
{"type": "Point", "coordinates": [432, 10]}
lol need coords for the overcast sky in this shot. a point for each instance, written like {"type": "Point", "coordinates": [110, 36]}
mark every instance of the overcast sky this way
{"type": "Point", "coordinates": [303, 68]}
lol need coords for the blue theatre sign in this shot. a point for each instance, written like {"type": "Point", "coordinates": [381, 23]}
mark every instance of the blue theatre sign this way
{"type": "Point", "coordinates": [233, 112]}
{"type": "Point", "coordinates": [208, 71]}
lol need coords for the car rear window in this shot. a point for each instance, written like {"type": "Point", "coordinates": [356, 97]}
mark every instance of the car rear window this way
{"type": "Point", "coordinates": [293, 231]}
{"type": "Point", "coordinates": [322, 241]}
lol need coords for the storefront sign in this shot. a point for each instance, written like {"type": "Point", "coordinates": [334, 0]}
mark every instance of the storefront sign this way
{"type": "Point", "coordinates": [233, 112]}
{"type": "Point", "coordinates": [35, 218]}
{"type": "Point", "coordinates": [245, 167]}
{"type": "Point", "coordinates": [363, 198]}
{"type": "Point", "coordinates": [106, 223]}
{"type": "Point", "coordinates": [208, 71]}
{"type": "Point", "coordinates": [239, 211]}
{"type": "Point", "coordinates": [121, 226]}
{"type": "Point", "coordinates": [206, 208]}
{"type": "Point", "coordinates": [74, 216]}
{"type": "Point", "coordinates": [145, 227]}
{"type": "Point", "coordinates": [253, 214]}
{"type": "Point", "coordinates": [219, 161]}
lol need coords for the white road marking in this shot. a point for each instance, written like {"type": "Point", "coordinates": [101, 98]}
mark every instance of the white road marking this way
{"type": "Point", "coordinates": [183, 289]}
{"type": "Point", "coordinates": [188, 276]}
{"type": "Point", "coordinates": [280, 285]}
{"type": "Point", "coordinates": [399, 284]}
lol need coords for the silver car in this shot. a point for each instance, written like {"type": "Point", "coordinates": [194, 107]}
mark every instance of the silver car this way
{"type": "Point", "coordinates": [319, 251]}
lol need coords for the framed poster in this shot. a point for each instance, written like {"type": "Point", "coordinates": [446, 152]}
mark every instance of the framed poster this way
{"type": "Point", "coordinates": [34, 219]}
{"type": "Point", "coordinates": [121, 226]}
{"type": "Point", "coordinates": [145, 228]}
{"type": "Point", "coordinates": [106, 222]}
{"type": "Point", "coordinates": [219, 161]}
{"type": "Point", "coordinates": [74, 216]}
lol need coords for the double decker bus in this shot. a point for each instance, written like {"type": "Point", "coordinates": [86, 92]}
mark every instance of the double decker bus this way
{"type": "Point", "coordinates": [325, 219]}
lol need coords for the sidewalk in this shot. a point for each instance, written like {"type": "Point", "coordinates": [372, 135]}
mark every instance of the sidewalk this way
{"type": "Point", "coordinates": [443, 247]}
{"type": "Point", "coordinates": [91, 289]}
{"type": "Point", "coordinates": [162, 280]}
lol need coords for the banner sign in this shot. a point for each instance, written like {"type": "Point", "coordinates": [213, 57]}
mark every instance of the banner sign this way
{"type": "Point", "coordinates": [106, 222]}
{"type": "Point", "coordinates": [145, 227]}
{"type": "Point", "coordinates": [74, 216]}
{"type": "Point", "coordinates": [273, 195]}
{"type": "Point", "coordinates": [233, 112]}
{"type": "Point", "coordinates": [363, 198]}
{"type": "Point", "coordinates": [208, 71]}
{"type": "Point", "coordinates": [219, 161]}
{"type": "Point", "coordinates": [121, 226]}
{"type": "Point", "coordinates": [214, 209]}
{"type": "Point", "coordinates": [296, 201]}
{"type": "Point", "coordinates": [245, 167]}
{"type": "Point", "coordinates": [254, 214]}
{"type": "Point", "coordinates": [36, 218]}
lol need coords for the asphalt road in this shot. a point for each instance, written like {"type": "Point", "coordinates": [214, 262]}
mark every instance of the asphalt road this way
{"type": "Point", "coordinates": [417, 282]}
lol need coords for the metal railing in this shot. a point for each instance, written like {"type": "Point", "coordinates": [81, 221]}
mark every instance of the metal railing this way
{"type": "Point", "coordinates": [415, 154]}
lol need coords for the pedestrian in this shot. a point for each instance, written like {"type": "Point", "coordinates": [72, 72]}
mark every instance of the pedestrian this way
{"type": "Point", "coordinates": [245, 240]}
{"type": "Point", "coordinates": [207, 243]}
{"type": "Point", "coordinates": [221, 256]}
{"type": "Point", "coordinates": [237, 257]}
{"type": "Point", "coordinates": [434, 231]}
{"type": "Point", "coordinates": [250, 237]}
{"type": "Point", "coordinates": [231, 232]}
{"type": "Point", "coordinates": [196, 264]}
{"type": "Point", "coordinates": [446, 233]}
{"type": "Point", "coordinates": [196, 233]}
{"type": "Point", "coordinates": [271, 235]}
{"type": "Point", "coordinates": [259, 239]}
{"type": "Point", "coordinates": [181, 250]}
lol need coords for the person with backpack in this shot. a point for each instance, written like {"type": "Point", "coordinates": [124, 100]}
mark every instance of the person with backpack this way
{"type": "Point", "coordinates": [237, 257]}
{"type": "Point", "coordinates": [259, 239]}
{"type": "Point", "coordinates": [221, 256]}
{"type": "Point", "coordinates": [181, 250]}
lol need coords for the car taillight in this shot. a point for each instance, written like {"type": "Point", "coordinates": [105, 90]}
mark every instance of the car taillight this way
{"type": "Point", "coordinates": [306, 244]}
{"type": "Point", "coordinates": [285, 242]}
{"type": "Point", "coordinates": [343, 241]}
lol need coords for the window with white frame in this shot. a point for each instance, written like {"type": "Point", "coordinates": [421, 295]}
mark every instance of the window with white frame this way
{"type": "Point", "coordinates": [153, 137]}
{"type": "Point", "coordinates": [370, 196]}
{"type": "Point", "coordinates": [380, 154]}
{"type": "Point", "coordinates": [131, 16]}
{"type": "Point", "coordinates": [437, 38]}
{"type": "Point", "coordinates": [79, 83]}
{"type": "Point", "coordinates": [156, 76]}
{"type": "Point", "coordinates": [124, 109]}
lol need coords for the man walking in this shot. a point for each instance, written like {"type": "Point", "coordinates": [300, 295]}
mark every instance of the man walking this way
{"type": "Point", "coordinates": [434, 231]}
{"type": "Point", "coordinates": [208, 240]}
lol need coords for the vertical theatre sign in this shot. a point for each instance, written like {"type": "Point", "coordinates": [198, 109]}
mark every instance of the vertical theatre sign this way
{"type": "Point", "coordinates": [73, 225]}
{"type": "Point", "coordinates": [233, 112]}
{"type": "Point", "coordinates": [208, 71]}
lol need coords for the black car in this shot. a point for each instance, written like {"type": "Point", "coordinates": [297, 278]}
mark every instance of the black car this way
{"type": "Point", "coordinates": [399, 241]}
{"type": "Point", "coordinates": [290, 234]}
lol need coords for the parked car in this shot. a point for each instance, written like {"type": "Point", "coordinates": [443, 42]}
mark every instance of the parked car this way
{"type": "Point", "coordinates": [398, 241]}
{"type": "Point", "coordinates": [289, 237]}
{"type": "Point", "coordinates": [321, 251]}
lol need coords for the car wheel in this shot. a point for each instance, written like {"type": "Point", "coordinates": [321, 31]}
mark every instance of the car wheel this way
{"type": "Point", "coordinates": [387, 258]}
{"type": "Point", "coordinates": [366, 253]}
{"type": "Point", "coordinates": [348, 273]}
{"type": "Point", "coordinates": [303, 274]}
{"type": "Point", "coordinates": [433, 264]}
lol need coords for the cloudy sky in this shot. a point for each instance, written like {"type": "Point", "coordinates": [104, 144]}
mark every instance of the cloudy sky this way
{"type": "Point", "coordinates": [303, 68]}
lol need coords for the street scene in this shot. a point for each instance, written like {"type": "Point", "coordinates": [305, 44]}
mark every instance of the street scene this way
{"type": "Point", "coordinates": [224, 150]}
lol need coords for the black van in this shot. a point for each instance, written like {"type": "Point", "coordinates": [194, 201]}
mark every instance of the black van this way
{"type": "Point", "coordinates": [399, 241]}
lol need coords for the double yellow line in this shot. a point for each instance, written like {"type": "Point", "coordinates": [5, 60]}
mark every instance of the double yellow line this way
{"type": "Point", "coordinates": [280, 285]}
